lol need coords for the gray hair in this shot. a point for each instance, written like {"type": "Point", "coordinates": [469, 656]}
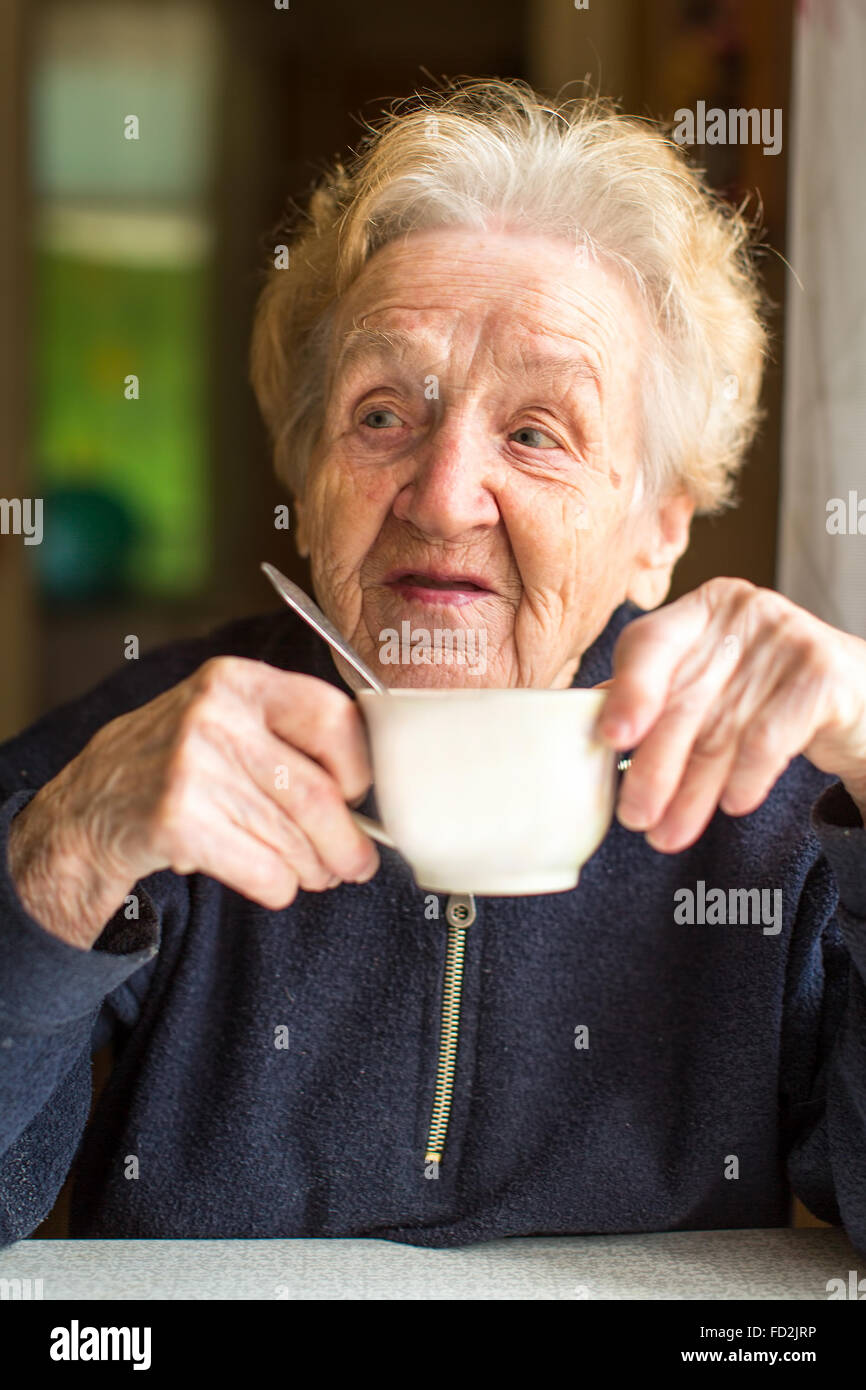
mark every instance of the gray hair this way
{"type": "Point", "coordinates": [487, 152]}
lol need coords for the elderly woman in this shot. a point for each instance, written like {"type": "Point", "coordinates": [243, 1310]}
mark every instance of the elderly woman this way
{"type": "Point", "coordinates": [514, 349]}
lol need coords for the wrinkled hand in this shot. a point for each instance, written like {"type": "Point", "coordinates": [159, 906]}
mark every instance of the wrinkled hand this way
{"type": "Point", "coordinates": [717, 693]}
{"type": "Point", "coordinates": [241, 772]}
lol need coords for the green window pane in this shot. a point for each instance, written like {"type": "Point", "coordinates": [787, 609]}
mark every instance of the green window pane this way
{"type": "Point", "coordinates": [97, 324]}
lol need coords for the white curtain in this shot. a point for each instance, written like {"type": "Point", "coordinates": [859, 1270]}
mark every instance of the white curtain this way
{"type": "Point", "coordinates": [824, 439]}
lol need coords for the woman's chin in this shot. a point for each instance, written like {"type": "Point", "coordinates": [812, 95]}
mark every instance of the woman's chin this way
{"type": "Point", "coordinates": [444, 676]}
{"type": "Point", "coordinates": [410, 656]}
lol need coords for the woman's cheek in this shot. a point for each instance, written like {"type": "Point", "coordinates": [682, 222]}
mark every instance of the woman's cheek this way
{"type": "Point", "coordinates": [341, 519]}
{"type": "Point", "coordinates": [345, 523]}
{"type": "Point", "coordinates": [548, 533]}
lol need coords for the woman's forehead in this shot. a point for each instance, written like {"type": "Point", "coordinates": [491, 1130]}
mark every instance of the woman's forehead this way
{"type": "Point", "coordinates": [424, 294]}
{"type": "Point", "coordinates": [483, 263]}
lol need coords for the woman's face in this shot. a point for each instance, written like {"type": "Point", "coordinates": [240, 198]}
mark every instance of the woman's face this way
{"type": "Point", "coordinates": [478, 460]}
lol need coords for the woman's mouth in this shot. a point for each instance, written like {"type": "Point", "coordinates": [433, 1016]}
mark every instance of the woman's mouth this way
{"type": "Point", "coordinates": [425, 587]}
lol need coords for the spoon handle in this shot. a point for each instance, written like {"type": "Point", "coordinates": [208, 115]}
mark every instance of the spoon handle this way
{"type": "Point", "coordinates": [294, 596]}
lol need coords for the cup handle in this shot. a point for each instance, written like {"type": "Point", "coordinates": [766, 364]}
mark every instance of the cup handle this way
{"type": "Point", "coordinates": [373, 829]}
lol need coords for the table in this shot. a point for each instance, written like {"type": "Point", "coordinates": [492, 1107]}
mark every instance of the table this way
{"type": "Point", "coordinates": [748, 1264]}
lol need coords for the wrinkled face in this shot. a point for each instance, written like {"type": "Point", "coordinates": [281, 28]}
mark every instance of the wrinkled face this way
{"type": "Point", "coordinates": [475, 473]}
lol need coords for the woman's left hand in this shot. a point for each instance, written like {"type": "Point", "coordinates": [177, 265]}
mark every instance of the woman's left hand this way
{"type": "Point", "coordinates": [717, 693]}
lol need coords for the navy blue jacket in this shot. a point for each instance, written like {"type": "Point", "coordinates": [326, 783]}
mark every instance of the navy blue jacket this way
{"type": "Point", "coordinates": [618, 1069]}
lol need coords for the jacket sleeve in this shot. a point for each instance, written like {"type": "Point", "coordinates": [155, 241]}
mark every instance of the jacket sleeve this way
{"type": "Point", "coordinates": [824, 1033]}
{"type": "Point", "coordinates": [59, 1003]}
{"type": "Point", "coordinates": [51, 996]}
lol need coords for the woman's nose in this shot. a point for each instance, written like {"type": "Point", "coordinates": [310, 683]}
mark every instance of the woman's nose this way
{"type": "Point", "coordinates": [451, 489]}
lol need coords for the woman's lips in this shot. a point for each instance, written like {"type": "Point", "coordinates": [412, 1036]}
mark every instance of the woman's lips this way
{"type": "Point", "coordinates": [437, 589]}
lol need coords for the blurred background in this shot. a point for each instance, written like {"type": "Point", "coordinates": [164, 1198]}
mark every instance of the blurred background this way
{"type": "Point", "coordinates": [138, 260]}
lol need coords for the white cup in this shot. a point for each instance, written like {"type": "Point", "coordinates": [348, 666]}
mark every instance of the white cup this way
{"type": "Point", "coordinates": [498, 792]}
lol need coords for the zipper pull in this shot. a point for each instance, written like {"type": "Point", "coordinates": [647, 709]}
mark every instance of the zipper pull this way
{"type": "Point", "coordinates": [460, 910]}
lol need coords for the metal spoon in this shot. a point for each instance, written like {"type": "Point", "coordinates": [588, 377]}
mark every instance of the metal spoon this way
{"type": "Point", "coordinates": [312, 614]}
{"type": "Point", "coordinates": [359, 677]}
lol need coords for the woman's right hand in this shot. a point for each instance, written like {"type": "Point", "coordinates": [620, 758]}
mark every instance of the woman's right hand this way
{"type": "Point", "coordinates": [241, 771]}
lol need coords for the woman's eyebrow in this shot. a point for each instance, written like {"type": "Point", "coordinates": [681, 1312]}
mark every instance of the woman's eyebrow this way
{"type": "Point", "coordinates": [557, 367]}
{"type": "Point", "coordinates": [553, 368]}
{"type": "Point", "coordinates": [361, 342]}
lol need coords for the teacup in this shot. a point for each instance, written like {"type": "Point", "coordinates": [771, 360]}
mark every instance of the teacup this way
{"type": "Point", "coordinates": [497, 792]}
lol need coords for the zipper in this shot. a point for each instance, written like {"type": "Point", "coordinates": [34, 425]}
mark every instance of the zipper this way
{"type": "Point", "coordinates": [459, 914]}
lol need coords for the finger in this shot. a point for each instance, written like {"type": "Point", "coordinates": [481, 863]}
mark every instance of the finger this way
{"type": "Point", "coordinates": [235, 774]}
{"type": "Point", "coordinates": [311, 798]}
{"type": "Point", "coordinates": [324, 723]}
{"type": "Point", "coordinates": [701, 724]}
{"type": "Point", "coordinates": [257, 815]}
{"type": "Point", "coordinates": [783, 728]}
{"type": "Point", "coordinates": [646, 657]}
{"type": "Point", "coordinates": [695, 803]}
{"type": "Point", "coordinates": [241, 862]}
{"type": "Point", "coordinates": [763, 726]}
{"type": "Point", "coordinates": [243, 758]}
{"type": "Point", "coordinates": [658, 765]}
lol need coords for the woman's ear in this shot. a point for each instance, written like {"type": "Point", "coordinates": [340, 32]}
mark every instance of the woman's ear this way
{"type": "Point", "coordinates": [302, 544]}
{"type": "Point", "coordinates": [666, 524]}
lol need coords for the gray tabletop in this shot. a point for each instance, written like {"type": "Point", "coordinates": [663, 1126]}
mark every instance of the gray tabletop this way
{"type": "Point", "coordinates": [752, 1264]}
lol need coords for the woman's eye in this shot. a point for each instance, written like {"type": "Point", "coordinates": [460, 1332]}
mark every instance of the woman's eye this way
{"type": "Point", "coordinates": [534, 441]}
{"type": "Point", "coordinates": [381, 419]}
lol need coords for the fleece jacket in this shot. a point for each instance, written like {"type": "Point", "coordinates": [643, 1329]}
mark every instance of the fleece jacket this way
{"type": "Point", "coordinates": [629, 1057]}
